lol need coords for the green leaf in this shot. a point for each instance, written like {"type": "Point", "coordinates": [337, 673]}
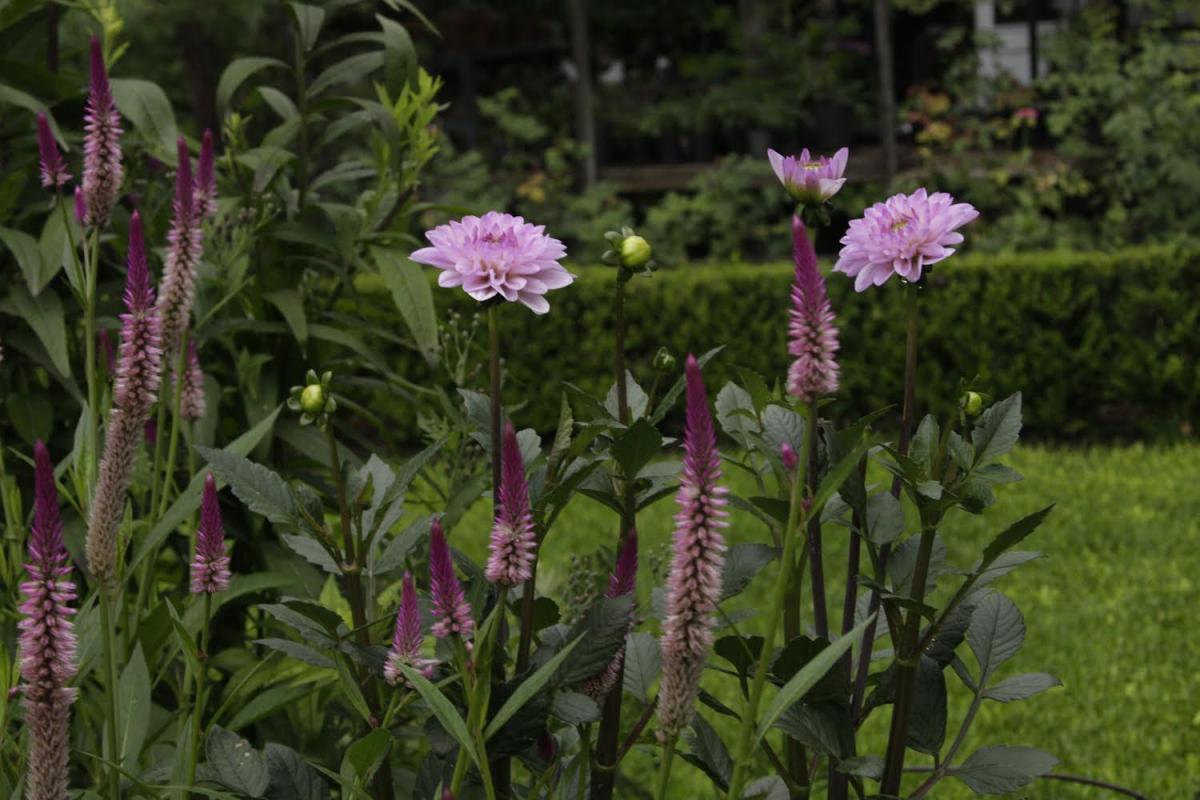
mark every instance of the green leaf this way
{"type": "Point", "coordinates": [808, 676]}
{"type": "Point", "coordinates": [260, 489]}
{"type": "Point", "coordinates": [238, 71]}
{"type": "Point", "coordinates": [442, 709]}
{"type": "Point", "coordinates": [363, 758]}
{"type": "Point", "coordinates": [291, 305]}
{"type": "Point", "coordinates": [528, 688]}
{"type": "Point", "coordinates": [997, 430]}
{"type": "Point", "coordinates": [634, 393]}
{"type": "Point", "coordinates": [15, 97]}
{"type": "Point", "coordinates": [29, 258]}
{"type": "Point", "coordinates": [353, 694]}
{"type": "Point", "coordinates": [280, 103]}
{"type": "Point", "coordinates": [1019, 687]}
{"type": "Point", "coordinates": [1002, 768]}
{"type": "Point", "coordinates": [308, 20]}
{"type": "Point", "coordinates": [236, 764]}
{"type": "Point", "coordinates": [672, 396]}
{"type": "Point", "coordinates": [267, 702]}
{"type": "Point", "coordinates": [291, 778]}
{"type": "Point", "coordinates": [44, 314]}
{"type": "Point", "coordinates": [643, 662]}
{"type": "Point", "coordinates": [298, 651]}
{"type": "Point", "coordinates": [603, 630]}
{"type": "Point", "coordinates": [634, 448]}
{"type": "Point", "coordinates": [709, 752]}
{"type": "Point", "coordinates": [742, 562]}
{"type": "Point", "coordinates": [348, 70]}
{"type": "Point", "coordinates": [927, 726]}
{"type": "Point", "coordinates": [835, 477]}
{"type": "Point", "coordinates": [399, 55]}
{"type": "Point", "coordinates": [411, 293]}
{"type": "Point", "coordinates": [146, 104]}
{"type": "Point", "coordinates": [1012, 536]}
{"type": "Point", "coordinates": [133, 693]}
{"type": "Point", "coordinates": [574, 708]}
{"type": "Point", "coordinates": [996, 633]}
{"type": "Point", "coordinates": [924, 445]}
{"type": "Point", "coordinates": [885, 518]}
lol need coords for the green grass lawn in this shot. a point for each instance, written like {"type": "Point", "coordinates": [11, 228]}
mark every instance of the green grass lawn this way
{"type": "Point", "coordinates": [1109, 612]}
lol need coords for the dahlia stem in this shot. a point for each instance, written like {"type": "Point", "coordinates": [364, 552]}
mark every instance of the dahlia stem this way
{"type": "Point", "coordinates": [664, 769]}
{"type": "Point", "coordinates": [604, 766]}
{"type": "Point", "coordinates": [746, 743]}
{"type": "Point", "coordinates": [502, 767]}
{"type": "Point", "coordinates": [109, 656]}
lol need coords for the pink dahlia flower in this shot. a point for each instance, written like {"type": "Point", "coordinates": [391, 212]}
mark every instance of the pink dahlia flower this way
{"type": "Point", "coordinates": [408, 638]}
{"type": "Point", "coordinates": [902, 236]}
{"type": "Point", "coordinates": [497, 254]}
{"type": "Point", "coordinates": [694, 582]}
{"type": "Point", "coordinates": [210, 566]}
{"type": "Point", "coordinates": [513, 545]}
{"type": "Point", "coordinates": [810, 179]}
{"type": "Point", "coordinates": [814, 339]}
{"type": "Point", "coordinates": [54, 171]}
{"type": "Point", "coordinates": [450, 605]}
{"type": "Point", "coordinates": [102, 168]}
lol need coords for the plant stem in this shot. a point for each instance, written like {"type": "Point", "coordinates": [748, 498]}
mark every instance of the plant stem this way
{"type": "Point", "coordinates": [109, 655]}
{"type": "Point", "coordinates": [173, 446]}
{"type": "Point", "coordinates": [746, 743]}
{"type": "Point", "coordinates": [604, 766]}
{"type": "Point", "coordinates": [91, 268]}
{"type": "Point", "coordinates": [201, 679]}
{"type": "Point", "coordinates": [585, 758]}
{"type": "Point", "coordinates": [636, 731]}
{"type": "Point", "coordinates": [664, 769]}
{"type": "Point", "coordinates": [816, 561]}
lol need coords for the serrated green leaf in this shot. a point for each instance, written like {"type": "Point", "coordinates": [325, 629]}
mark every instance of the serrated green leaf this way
{"type": "Point", "coordinates": [634, 448]}
{"type": "Point", "coordinates": [996, 633]}
{"type": "Point", "coordinates": [261, 489]}
{"type": "Point", "coordinates": [442, 709]}
{"type": "Point", "coordinates": [236, 764]}
{"type": "Point", "coordinates": [997, 430]}
{"type": "Point", "coordinates": [1002, 768]}
{"type": "Point", "coordinates": [1019, 687]}
{"type": "Point", "coordinates": [643, 662]}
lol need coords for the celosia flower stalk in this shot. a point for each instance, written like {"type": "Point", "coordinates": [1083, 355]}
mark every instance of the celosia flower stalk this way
{"type": "Point", "coordinates": [134, 393]}
{"type": "Point", "coordinates": [185, 244]}
{"type": "Point", "coordinates": [54, 171]}
{"type": "Point", "coordinates": [206, 178]}
{"type": "Point", "coordinates": [408, 637]}
{"type": "Point", "coordinates": [694, 582]}
{"type": "Point", "coordinates": [191, 398]}
{"type": "Point", "coordinates": [814, 339]}
{"type": "Point", "coordinates": [497, 254]}
{"type": "Point", "coordinates": [621, 582]}
{"type": "Point", "coordinates": [901, 237]}
{"type": "Point", "coordinates": [80, 206]}
{"type": "Point", "coordinates": [450, 605]}
{"type": "Point", "coordinates": [210, 566]}
{"type": "Point", "coordinates": [102, 169]}
{"type": "Point", "coordinates": [810, 179]}
{"type": "Point", "coordinates": [47, 642]}
{"type": "Point", "coordinates": [514, 540]}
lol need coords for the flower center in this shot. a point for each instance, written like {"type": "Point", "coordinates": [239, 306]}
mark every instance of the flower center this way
{"type": "Point", "coordinates": [899, 225]}
{"type": "Point", "coordinates": [811, 165]}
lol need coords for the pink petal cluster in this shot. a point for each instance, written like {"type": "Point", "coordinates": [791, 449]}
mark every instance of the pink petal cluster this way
{"type": "Point", "coordinates": [206, 178]}
{"type": "Point", "coordinates": [191, 395]}
{"type": "Point", "coordinates": [54, 171]}
{"type": "Point", "coordinates": [814, 339]}
{"type": "Point", "coordinates": [185, 244]}
{"type": "Point", "coordinates": [210, 565]}
{"type": "Point", "coordinates": [47, 641]}
{"type": "Point", "coordinates": [134, 394]}
{"type": "Point", "coordinates": [102, 169]}
{"type": "Point", "coordinates": [450, 605]}
{"type": "Point", "coordinates": [497, 254]}
{"type": "Point", "coordinates": [694, 582]}
{"type": "Point", "coordinates": [621, 582]}
{"type": "Point", "coordinates": [408, 638]}
{"type": "Point", "coordinates": [902, 236]}
{"type": "Point", "coordinates": [513, 545]}
{"type": "Point", "coordinates": [810, 179]}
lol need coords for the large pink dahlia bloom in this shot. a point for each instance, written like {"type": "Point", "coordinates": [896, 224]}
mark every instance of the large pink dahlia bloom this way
{"type": "Point", "coordinates": [809, 178]}
{"type": "Point", "coordinates": [497, 254]}
{"type": "Point", "coordinates": [902, 236]}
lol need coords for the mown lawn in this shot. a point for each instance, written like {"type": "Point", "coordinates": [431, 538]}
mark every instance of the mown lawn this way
{"type": "Point", "coordinates": [1111, 611]}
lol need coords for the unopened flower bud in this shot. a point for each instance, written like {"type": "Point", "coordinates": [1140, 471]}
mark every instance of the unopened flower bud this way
{"type": "Point", "coordinates": [664, 361]}
{"type": "Point", "coordinates": [635, 252]}
{"type": "Point", "coordinates": [972, 404]}
{"type": "Point", "coordinates": [312, 399]}
{"type": "Point", "coordinates": [788, 454]}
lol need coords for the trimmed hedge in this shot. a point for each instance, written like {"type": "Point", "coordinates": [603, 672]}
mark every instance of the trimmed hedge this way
{"type": "Point", "coordinates": [1103, 345]}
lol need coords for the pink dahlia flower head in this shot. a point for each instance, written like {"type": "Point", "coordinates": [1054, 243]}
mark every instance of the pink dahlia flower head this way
{"type": "Point", "coordinates": [497, 254]}
{"type": "Point", "coordinates": [810, 179]}
{"type": "Point", "coordinates": [902, 236]}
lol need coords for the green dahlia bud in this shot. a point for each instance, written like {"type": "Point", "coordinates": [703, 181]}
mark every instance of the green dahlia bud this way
{"type": "Point", "coordinates": [972, 404]}
{"type": "Point", "coordinates": [312, 399]}
{"type": "Point", "coordinates": [635, 251]}
{"type": "Point", "coordinates": [664, 361]}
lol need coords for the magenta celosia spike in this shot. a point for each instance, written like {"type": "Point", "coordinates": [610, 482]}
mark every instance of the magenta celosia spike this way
{"type": "Point", "coordinates": [621, 581]}
{"type": "Point", "coordinates": [47, 641]}
{"type": "Point", "coordinates": [191, 398]}
{"type": "Point", "coordinates": [185, 244]}
{"type": "Point", "coordinates": [814, 339]}
{"type": "Point", "coordinates": [408, 638]}
{"type": "Point", "coordinates": [694, 582]}
{"type": "Point", "coordinates": [450, 605]}
{"type": "Point", "coordinates": [206, 178]}
{"type": "Point", "coordinates": [54, 171]}
{"type": "Point", "coordinates": [788, 455]}
{"type": "Point", "coordinates": [80, 206]}
{"type": "Point", "coordinates": [210, 566]}
{"type": "Point", "coordinates": [108, 349]}
{"type": "Point", "coordinates": [514, 540]}
{"type": "Point", "coordinates": [102, 169]}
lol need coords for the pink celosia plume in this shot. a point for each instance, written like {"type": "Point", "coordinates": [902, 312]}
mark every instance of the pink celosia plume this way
{"type": "Point", "coordinates": [621, 581]}
{"type": "Point", "coordinates": [497, 254]}
{"type": "Point", "coordinates": [450, 606]}
{"type": "Point", "coordinates": [814, 339]}
{"type": "Point", "coordinates": [185, 244]}
{"type": "Point", "coordinates": [514, 540]}
{"type": "Point", "coordinates": [807, 178]}
{"type": "Point", "coordinates": [210, 565]}
{"type": "Point", "coordinates": [191, 397]}
{"type": "Point", "coordinates": [694, 581]}
{"type": "Point", "coordinates": [54, 170]}
{"type": "Point", "coordinates": [407, 638]}
{"type": "Point", "coordinates": [102, 169]}
{"type": "Point", "coordinates": [902, 236]}
{"type": "Point", "coordinates": [47, 641]}
{"type": "Point", "coordinates": [80, 206]}
{"type": "Point", "coordinates": [206, 178]}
